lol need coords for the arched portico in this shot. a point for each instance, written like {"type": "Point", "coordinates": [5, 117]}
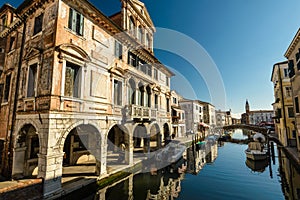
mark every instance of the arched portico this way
{"type": "Point", "coordinates": [118, 145]}
{"type": "Point", "coordinates": [81, 148]}
{"type": "Point", "coordinates": [167, 136]}
{"type": "Point", "coordinates": [140, 138]}
{"type": "Point", "coordinates": [155, 137]}
{"type": "Point", "coordinates": [25, 161]}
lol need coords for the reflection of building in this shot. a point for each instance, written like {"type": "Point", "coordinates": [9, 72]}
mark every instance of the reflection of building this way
{"type": "Point", "coordinates": [256, 116]}
{"type": "Point", "coordinates": [82, 87]}
{"type": "Point", "coordinates": [178, 116]}
{"type": "Point", "coordinates": [293, 56]}
{"type": "Point", "coordinates": [195, 160]}
{"type": "Point", "coordinates": [290, 177]}
{"type": "Point", "coordinates": [283, 105]}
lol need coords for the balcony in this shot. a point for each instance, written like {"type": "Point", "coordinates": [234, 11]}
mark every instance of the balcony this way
{"type": "Point", "coordinates": [142, 112]}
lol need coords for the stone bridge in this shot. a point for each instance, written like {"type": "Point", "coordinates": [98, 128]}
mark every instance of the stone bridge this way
{"type": "Point", "coordinates": [255, 128]}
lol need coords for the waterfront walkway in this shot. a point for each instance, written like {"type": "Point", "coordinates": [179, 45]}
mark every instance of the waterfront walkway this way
{"type": "Point", "coordinates": [71, 181]}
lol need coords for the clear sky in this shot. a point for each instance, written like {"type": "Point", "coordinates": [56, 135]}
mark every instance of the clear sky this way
{"type": "Point", "coordinates": [243, 37]}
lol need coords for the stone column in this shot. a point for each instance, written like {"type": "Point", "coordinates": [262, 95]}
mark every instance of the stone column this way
{"type": "Point", "coordinates": [103, 158]}
{"type": "Point", "coordinates": [129, 151]}
{"type": "Point", "coordinates": [50, 169]}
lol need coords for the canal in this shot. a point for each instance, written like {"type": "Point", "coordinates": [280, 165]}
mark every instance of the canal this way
{"type": "Point", "coordinates": [213, 171]}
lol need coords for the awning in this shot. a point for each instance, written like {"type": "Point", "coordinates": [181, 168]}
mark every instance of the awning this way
{"type": "Point", "coordinates": [178, 110]}
{"type": "Point", "coordinates": [203, 124]}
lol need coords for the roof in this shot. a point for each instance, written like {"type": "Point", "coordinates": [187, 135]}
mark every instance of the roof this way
{"type": "Point", "coordinates": [278, 64]}
{"type": "Point", "coordinates": [7, 6]}
{"type": "Point", "coordinates": [293, 44]}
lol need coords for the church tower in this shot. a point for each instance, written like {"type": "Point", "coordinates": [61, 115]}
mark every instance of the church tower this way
{"type": "Point", "coordinates": [247, 107]}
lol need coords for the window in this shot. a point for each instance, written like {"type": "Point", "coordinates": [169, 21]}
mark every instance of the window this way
{"type": "Point", "coordinates": [288, 91]}
{"type": "Point", "coordinates": [168, 105]}
{"type": "Point", "coordinates": [200, 110]}
{"type": "Point", "coordinates": [182, 116]}
{"type": "Point", "coordinates": [3, 22]}
{"type": "Point", "coordinates": [117, 92]}
{"type": "Point", "coordinates": [118, 49]}
{"type": "Point", "coordinates": [167, 81]}
{"type": "Point", "coordinates": [140, 35]}
{"type": "Point", "coordinates": [72, 80]}
{"type": "Point", "coordinates": [7, 87]}
{"type": "Point", "coordinates": [291, 68]}
{"type": "Point", "coordinates": [174, 100]}
{"type": "Point", "coordinates": [297, 105]}
{"type": "Point", "coordinates": [132, 59]}
{"type": "Point", "coordinates": [155, 74]}
{"type": "Point", "coordinates": [149, 70]}
{"type": "Point", "coordinates": [286, 73]}
{"type": "Point", "coordinates": [76, 21]}
{"type": "Point", "coordinates": [156, 100]}
{"type": "Point", "coordinates": [131, 25]}
{"type": "Point", "coordinates": [291, 112]}
{"type": "Point", "coordinates": [38, 24]}
{"type": "Point", "coordinates": [31, 85]}
{"type": "Point", "coordinates": [11, 43]}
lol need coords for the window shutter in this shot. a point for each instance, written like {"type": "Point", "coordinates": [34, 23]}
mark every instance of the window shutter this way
{"type": "Point", "coordinates": [81, 25]}
{"type": "Point", "coordinates": [71, 19]}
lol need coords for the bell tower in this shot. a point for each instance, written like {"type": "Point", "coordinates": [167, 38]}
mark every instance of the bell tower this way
{"type": "Point", "coordinates": [247, 107]}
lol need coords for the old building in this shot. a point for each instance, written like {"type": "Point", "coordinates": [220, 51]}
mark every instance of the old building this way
{"type": "Point", "coordinates": [178, 116]}
{"type": "Point", "coordinates": [6, 17]}
{"type": "Point", "coordinates": [283, 105]}
{"type": "Point", "coordinates": [256, 117]}
{"type": "Point", "coordinates": [223, 118]}
{"type": "Point", "coordinates": [193, 117]}
{"type": "Point", "coordinates": [209, 115]}
{"type": "Point", "coordinates": [78, 83]}
{"type": "Point", "coordinates": [293, 56]}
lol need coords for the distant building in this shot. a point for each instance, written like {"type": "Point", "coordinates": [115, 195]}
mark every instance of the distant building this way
{"type": "Point", "coordinates": [223, 118]}
{"type": "Point", "coordinates": [178, 116]}
{"type": "Point", "coordinates": [193, 116]}
{"type": "Point", "coordinates": [283, 105]}
{"type": "Point", "coordinates": [209, 114]}
{"type": "Point", "coordinates": [255, 117]}
{"type": "Point", "coordinates": [293, 56]}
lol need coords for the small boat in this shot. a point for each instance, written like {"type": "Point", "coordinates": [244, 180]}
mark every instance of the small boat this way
{"type": "Point", "coordinates": [256, 150]}
{"type": "Point", "coordinates": [257, 166]}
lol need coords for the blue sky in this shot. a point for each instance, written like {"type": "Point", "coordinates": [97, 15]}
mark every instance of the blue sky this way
{"type": "Point", "coordinates": [243, 37]}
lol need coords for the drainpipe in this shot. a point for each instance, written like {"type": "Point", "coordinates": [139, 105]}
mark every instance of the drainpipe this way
{"type": "Point", "coordinates": [14, 114]}
{"type": "Point", "coordinates": [283, 106]}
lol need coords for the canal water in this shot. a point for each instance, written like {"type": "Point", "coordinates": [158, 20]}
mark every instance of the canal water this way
{"type": "Point", "coordinates": [214, 170]}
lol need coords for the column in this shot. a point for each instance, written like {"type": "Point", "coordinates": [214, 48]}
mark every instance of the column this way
{"type": "Point", "coordinates": [50, 169]}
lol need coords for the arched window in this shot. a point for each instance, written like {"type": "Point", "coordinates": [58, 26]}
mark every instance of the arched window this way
{"type": "Point", "coordinates": [140, 34]}
{"type": "Point", "coordinates": [131, 92]}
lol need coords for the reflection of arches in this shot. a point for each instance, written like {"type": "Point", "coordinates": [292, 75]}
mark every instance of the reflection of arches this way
{"type": "Point", "coordinates": [26, 151]}
{"type": "Point", "coordinates": [81, 140]}
{"type": "Point", "coordinates": [155, 137]}
{"type": "Point", "coordinates": [131, 92]}
{"type": "Point", "coordinates": [167, 137]}
{"type": "Point", "coordinates": [140, 137]}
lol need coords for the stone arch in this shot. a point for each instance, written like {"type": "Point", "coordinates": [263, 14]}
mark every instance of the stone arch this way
{"type": "Point", "coordinates": [131, 91]}
{"type": "Point", "coordinates": [64, 134]}
{"type": "Point", "coordinates": [140, 138]}
{"type": "Point", "coordinates": [155, 136]}
{"type": "Point", "coordinates": [82, 140]}
{"type": "Point", "coordinates": [27, 148]}
{"type": "Point", "coordinates": [166, 133]}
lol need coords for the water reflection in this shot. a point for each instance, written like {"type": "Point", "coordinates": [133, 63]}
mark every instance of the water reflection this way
{"type": "Point", "coordinates": [290, 177]}
{"type": "Point", "coordinates": [199, 172]}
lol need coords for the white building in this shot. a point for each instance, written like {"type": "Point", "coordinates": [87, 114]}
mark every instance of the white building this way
{"type": "Point", "coordinates": [178, 116]}
{"type": "Point", "coordinates": [193, 115]}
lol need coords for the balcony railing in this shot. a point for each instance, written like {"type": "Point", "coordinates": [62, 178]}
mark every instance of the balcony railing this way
{"type": "Point", "coordinates": [142, 112]}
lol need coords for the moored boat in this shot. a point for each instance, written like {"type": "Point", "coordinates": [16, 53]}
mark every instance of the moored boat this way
{"type": "Point", "coordinates": [256, 149]}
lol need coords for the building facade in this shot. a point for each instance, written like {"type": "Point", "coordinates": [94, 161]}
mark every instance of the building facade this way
{"type": "Point", "coordinates": [283, 105]}
{"type": "Point", "coordinates": [193, 116]}
{"type": "Point", "coordinates": [293, 56]}
{"type": "Point", "coordinates": [178, 116]}
{"type": "Point", "coordinates": [223, 118]}
{"type": "Point", "coordinates": [256, 117]}
{"type": "Point", "coordinates": [76, 82]}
